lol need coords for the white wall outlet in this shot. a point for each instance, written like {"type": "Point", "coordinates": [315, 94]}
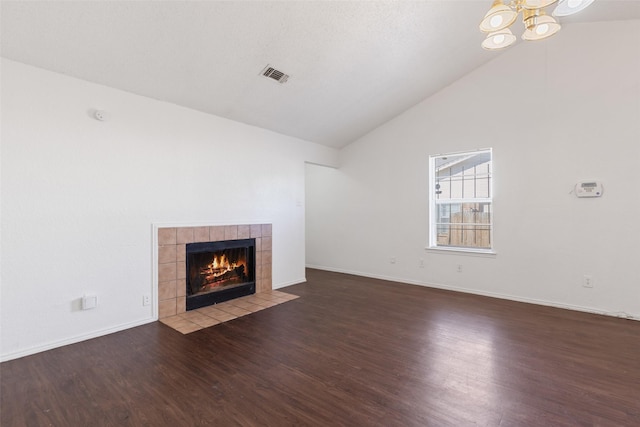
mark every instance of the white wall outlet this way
{"type": "Point", "coordinates": [392, 260]}
{"type": "Point", "coordinates": [421, 263]}
{"type": "Point", "coordinates": [587, 281]}
{"type": "Point", "coordinates": [89, 302]}
{"type": "Point", "coordinates": [459, 268]}
{"type": "Point", "coordinates": [146, 299]}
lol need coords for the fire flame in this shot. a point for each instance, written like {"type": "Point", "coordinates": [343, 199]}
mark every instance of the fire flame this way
{"type": "Point", "coordinates": [220, 265]}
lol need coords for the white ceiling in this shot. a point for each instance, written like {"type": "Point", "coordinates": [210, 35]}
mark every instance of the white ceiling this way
{"type": "Point", "coordinates": [353, 64]}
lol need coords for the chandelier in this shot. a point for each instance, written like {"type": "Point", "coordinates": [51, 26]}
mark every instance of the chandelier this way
{"type": "Point", "coordinates": [538, 25]}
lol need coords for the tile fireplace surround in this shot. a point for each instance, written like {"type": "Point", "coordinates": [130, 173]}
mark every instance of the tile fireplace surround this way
{"type": "Point", "coordinates": [172, 259]}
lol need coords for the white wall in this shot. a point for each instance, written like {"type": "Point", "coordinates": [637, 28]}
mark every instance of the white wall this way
{"type": "Point", "coordinates": [555, 113]}
{"type": "Point", "coordinates": [79, 197]}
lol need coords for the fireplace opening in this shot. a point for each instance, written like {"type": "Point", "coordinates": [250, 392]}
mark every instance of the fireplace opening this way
{"type": "Point", "coordinates": [219, 271]}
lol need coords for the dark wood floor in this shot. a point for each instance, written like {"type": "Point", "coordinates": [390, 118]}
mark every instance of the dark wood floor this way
{"type": "Point", "coordinates": [350, 351]}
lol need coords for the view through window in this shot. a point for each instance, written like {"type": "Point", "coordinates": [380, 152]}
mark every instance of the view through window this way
{"type": "Point", "coordinates": [461, 209]}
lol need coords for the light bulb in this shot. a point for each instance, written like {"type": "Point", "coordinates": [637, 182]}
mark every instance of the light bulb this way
{"type": "Point", "coordinates": [542, 29]}
{"type": "Point", "coordinates": [499, 40]}
{"type": "Point", "coordinates": [496, 21]}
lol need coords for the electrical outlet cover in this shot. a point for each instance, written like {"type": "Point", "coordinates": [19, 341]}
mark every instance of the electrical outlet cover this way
{"type": "Point", "coordinates": [89, 302]}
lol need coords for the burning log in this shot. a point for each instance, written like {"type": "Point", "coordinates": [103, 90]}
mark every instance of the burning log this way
{"type": "Point", "coordinates": [234, 272]}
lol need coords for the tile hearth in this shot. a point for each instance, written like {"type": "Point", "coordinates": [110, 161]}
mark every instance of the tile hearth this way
{"type": "Point", "coordinates": [194, 320]}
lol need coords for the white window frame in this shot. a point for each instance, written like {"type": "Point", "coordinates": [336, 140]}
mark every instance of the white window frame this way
{"type": "Point", "coordinates": [434, 203]}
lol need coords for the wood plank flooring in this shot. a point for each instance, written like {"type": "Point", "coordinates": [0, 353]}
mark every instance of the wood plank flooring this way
{"type": "Point", "coordinates": [350, 351]}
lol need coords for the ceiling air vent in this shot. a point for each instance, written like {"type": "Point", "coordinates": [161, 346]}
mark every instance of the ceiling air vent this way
{"type": "Point", "coordinates": [274, 74]}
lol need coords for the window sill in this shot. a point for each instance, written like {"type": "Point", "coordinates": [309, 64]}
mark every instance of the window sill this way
{"type": "Point", "coordinates": [488, 253]}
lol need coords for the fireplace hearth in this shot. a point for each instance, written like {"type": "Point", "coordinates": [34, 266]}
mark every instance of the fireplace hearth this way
{"type": "Point", "coordinates": [219, 271]}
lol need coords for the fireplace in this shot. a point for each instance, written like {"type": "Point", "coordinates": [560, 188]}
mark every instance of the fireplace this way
{"type": "Point", "coordinates": [219, 271]}
{"type": "Point", "coordinates": [172, 258]}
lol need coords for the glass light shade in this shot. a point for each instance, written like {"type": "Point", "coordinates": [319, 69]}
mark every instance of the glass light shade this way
{"type": "Point", "coordinates": [499, 40]}
{"type": "Point", "coordinates": [540, 27]}
{"type": "Point", "coordinates": [498, 17]}
{"type": "Point", "coordinates": [537, 4]}
{"type": "Point", "coordinates": [569, 7]}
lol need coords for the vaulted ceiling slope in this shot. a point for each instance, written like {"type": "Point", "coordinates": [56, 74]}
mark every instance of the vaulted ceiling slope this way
{"type": "Point", "coordinates": [353, 65]}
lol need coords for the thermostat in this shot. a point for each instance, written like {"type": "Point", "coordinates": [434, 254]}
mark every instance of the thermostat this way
{"type": "Point", "coordinates": [589, 189]}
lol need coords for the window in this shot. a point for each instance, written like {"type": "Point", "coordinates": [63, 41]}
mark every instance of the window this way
{"type": "Point", "coordinates": [460, 202]}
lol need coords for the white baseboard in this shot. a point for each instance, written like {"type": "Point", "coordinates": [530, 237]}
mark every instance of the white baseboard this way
{"type": "Point", "coordinates": [73, 340]}
{"type": "Point", "coordinates": [592, 310]}
{"type": "Point", "coordinates": [292, 282]}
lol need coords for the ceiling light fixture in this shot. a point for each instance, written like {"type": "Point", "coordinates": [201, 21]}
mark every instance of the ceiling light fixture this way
{"type": "Point", "coordinates": [538, 25]}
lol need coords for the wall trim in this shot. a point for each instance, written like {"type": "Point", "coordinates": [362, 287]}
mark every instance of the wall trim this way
{"type": "Point", "coordinates": [74, 339]}
{"type": "Point", "coordinates": [619, 314]}
{"type": "Point", "coordinates": [290, 283]}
